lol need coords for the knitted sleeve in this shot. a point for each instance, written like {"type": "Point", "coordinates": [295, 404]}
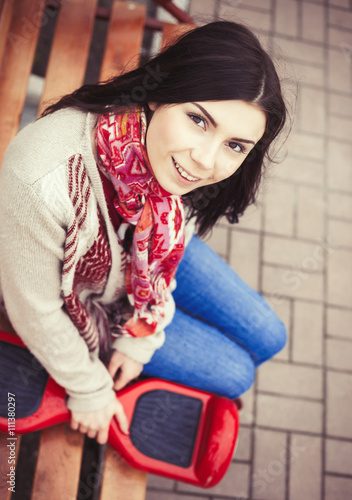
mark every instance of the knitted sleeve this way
{"type": "Point", "coordinates": [31, 253]}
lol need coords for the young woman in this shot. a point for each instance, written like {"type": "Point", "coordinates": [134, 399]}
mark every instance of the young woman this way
{"type": "Point", "coordinates": [94, 200]}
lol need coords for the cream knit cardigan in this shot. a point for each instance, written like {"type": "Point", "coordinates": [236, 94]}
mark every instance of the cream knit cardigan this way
{"type": "Point", "coordinates": [47, 171]}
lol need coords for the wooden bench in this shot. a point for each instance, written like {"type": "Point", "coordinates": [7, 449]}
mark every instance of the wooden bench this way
{"type": "Point", "coordinates": [59, 469]}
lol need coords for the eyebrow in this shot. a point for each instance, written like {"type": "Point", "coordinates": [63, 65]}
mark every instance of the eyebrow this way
{"type": "Point", "coordinates": [213, 122]}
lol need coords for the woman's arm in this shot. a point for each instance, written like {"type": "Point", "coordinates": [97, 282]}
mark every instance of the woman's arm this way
{"type": "Point", "coordinates": [31, 253]}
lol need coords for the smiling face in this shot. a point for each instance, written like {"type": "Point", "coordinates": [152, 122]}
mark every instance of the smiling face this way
{"type": "Point", "coordinates": [190, 145]}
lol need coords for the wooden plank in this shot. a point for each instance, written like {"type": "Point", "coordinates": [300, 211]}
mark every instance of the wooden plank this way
{"type": "Point", "coordinates": [6, 10]}
{"type": "Point", "coordinates": [121, 481]}
{"type": "Point", "coordinates": [16, 65]}
{"type": "Point", "coordinates": [124, 38]}
{"type": "Point", "coordinates": [172, 31]}
{"type": "Point", "coordinates": [5, 493]}
{"type": "Point", "coordinates": [58, 464]}
{"type": "Point", "coordinates": [70, 49]}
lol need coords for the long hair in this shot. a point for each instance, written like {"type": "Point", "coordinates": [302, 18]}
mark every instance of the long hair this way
{"type": "Point", "coordinates": [221, 60]}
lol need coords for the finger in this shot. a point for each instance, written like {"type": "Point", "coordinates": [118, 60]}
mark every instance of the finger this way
{"type": "Point", "coordinates": [123, 380]}
{"type": "Point", "coordinates": [74, 425]}
{"type": "Point", "coordinates": [83, 429]}
{"type": "Point", "coordinates": [92, 433]}
{"type": "Point", "coordinates": [102, 436]}
{"type": "Point", "coordinates": [122, 418]}
{"type": "Point", "coordinates": [115, 363]}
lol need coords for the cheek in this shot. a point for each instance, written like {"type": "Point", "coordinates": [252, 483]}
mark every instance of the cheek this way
{"type": "Point", "coordinates": [229, 169]}
{"type": "Point", "coordinates": [162, 136]}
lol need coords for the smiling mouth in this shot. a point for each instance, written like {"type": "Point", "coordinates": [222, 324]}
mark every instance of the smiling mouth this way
{"type": "Point", "coordinates": [184, 173]}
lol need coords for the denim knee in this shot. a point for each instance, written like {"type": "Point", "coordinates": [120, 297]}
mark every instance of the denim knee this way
{"type": "Point", "coordinates": [239, 377]}
{"type": "Point", "coordinates": [274, 338]}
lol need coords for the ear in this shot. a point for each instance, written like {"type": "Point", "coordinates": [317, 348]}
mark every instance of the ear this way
{"type": "Point", "coordinates": [152, 105]}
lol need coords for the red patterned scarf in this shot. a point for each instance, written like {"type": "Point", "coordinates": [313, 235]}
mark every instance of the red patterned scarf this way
{"type": "Point", "coordinates": [157, 216]}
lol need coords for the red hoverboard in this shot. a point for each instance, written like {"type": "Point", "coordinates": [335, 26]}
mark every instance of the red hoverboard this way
{"type": "Point", "coordinates": [175, 431]}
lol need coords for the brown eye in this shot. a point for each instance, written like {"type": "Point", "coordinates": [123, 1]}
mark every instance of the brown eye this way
{"type": "Point", "coordinates": [237, 148]}
{"type": "Point", "coordinates": [198, 120]}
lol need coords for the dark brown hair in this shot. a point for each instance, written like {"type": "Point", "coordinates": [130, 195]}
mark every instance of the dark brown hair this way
{"type": "Point", "coordinates": [221, 60]}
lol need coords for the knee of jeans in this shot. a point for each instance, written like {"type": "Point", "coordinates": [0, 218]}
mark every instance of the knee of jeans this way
{"type": "Point", "coordinates": [274, 338]}
{"type": "Point", "coordinates": [279, 335]}
{"type": "Point", "coordinates": [240, 377]}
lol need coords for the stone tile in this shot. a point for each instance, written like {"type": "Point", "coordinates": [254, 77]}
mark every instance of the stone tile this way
{"type": "Point", "coordinates": [282, 307]}
{"type": "Point", "coordinates": [340, 18]}
{"type": "Point", "coordinates": [310, 213]}
{"type": "Point", "coordinates": [339, 404]}
{"type": "Point", "coordinates": [340, 3]}
{"type": "Point", "coordinates": [307, 73]}
{"type": "Point", "coordinates": [247, 412]}
{"type": "Point", "coordinates": [296, 169]}
{"type": "Point", "coordinates": [162, 495]}
{"type": "Point", "coordinates": [269, 471]}
{"type": "Point", "coordinates": [313, 22]}
{"type": "Point", "coordinates": [243, 450]}
{"type": "Point", "coordinates": [339, 322]}
{"type": "Point", "coordinates": [290, 379]}
{"type": "Point", "coordinates": [340, 233]}
{"type": "Point", "coordinates": [202, 11]}
{"type": "Point", "coordinates": [340, 205]}
{"type": "Point", "coordinates": [303, 256]}
{"type": "Point", "coordinates": [339, 165]}
{"type": "Point", "coordinates": [346, 50]}
{"type": "Point", "coordinates": [297, 50]}
{"type": "Point", "coordinates": [292, 283]}
{"type": "Point", "coordinates": [339, 75]}
{"type": "Point", "coordinates": [277, 220]}
{"type": "Point", "coordinates": [287, 9]}
{"type": "Point", "coordinates": [339, 276]}
{"type": "Point", "coordinates": [340, 128]}
{"type": "Point", "coordinates": [308, 334]}
{"type": "Point", "coordinates": [339, 354]}
{"type": "Point", "coordinates": [260, 4]}
{"type": "Point", "coordinates": [254, 19]}
{"type": "Point", "coordinates": [312, 116]}
{"type": "Point", "coordinates": [245, 256]}
{"type": "Point", "coordinates": [252, 218]}
{"type": "Point", "coordinates": [305, 468]}
{"type": "Point", "coordinates": [202, 6]}
{"type": "Point", "coordinates": [162, 483]}
{"type": "Point", "coordinates": [236, 480]}
{"type": "Point", "coordinates": [338, 488]}
{"type": "Point", "coordinates": [338, 456]}
{"type": "Point", "coordinates": [340, 104]}
{"type": "Point", "coordinates": [337, 37]}
{"type": "Point", "coordinates": [218, 240]}
{"type": "Point", "coordinates": [306, 145]}
{"type": "Point", "coordinates": [278, 412]}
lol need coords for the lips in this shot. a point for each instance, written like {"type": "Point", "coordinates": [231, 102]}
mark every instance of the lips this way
{"type": "Point", "coordinates": [186, 175]}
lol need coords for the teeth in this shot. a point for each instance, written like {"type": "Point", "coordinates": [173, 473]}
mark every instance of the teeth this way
{"type": "Point", "coordinates": [184, 173]}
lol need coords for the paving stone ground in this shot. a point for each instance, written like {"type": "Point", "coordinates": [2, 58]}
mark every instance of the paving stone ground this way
{"type": "Point", "coordinates": [296, 248]}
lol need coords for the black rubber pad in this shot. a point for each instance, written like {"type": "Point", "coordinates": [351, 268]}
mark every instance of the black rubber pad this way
{"type": "Point", "coordinates": [164, 426]}
{"type": "Point", "coordinates": [23, 376]}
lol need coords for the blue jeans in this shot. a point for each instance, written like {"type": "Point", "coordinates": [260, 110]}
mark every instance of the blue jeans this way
{"type": "Point", "coordinates": [222, 329]}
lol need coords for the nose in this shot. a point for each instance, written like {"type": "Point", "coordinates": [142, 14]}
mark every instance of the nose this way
{"type": "Point", "coordinates": [204, 155]}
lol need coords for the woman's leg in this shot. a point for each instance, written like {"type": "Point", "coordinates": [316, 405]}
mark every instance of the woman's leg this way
{"type": "Point", "coordinates": [207, 288]}
{"type": "Point", "coordinates": [222, 328]}
{"type": "Point", "coordinates": [198, 355]}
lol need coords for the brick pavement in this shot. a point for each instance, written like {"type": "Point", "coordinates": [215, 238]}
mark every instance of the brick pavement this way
{"type": "Point", "coordinates": [296, 248]}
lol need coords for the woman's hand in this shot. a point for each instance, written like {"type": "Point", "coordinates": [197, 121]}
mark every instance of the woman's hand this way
{"type": "Point", "coordinates": [96, 423]}
{"type": "Point", "coordinates": [129, 369]}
